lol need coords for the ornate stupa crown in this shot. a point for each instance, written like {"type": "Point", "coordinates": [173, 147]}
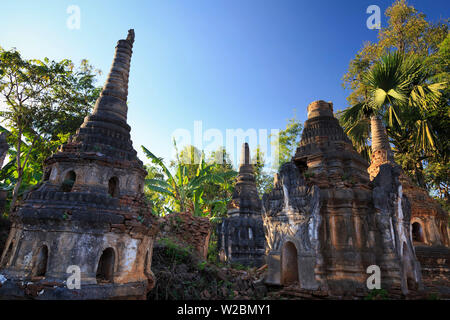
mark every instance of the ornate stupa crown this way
{"type": "Point", "coordinates": [320, 108]}
{"type": "Point", "coordinates": [321, 127]}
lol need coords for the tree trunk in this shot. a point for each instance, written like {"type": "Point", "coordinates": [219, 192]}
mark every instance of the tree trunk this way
{"type": "Point", "coordinates": [16, 193]}
{"type": "Point", "coordinates": [3, 148]}
{"type": "Point", "coordinates": [380, 139]}
{"type": "Point", "coordinates": [20, 169]}
{"type": "Point", "coordinates": [419, 175]}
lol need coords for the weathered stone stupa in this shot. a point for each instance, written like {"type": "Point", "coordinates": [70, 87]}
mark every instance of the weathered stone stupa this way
{"type": "Point", "coordinates": [89, 212]}
{"type": "Point", "coordinates": [326, 223]}
{"type": "Point", "coordinates": [241, 234]}
{"type": "Point", "coordinates": [429, 221]}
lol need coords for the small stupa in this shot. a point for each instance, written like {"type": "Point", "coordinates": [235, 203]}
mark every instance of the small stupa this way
{"type": "Point", "coordinates": [241, 233]}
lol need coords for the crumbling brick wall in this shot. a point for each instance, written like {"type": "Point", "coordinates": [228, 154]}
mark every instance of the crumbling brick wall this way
{"type": "Point", "coordinates": [435, 264]}
{"type": "Point", "coordinates": [426, 211]}
{"type": "Point", "coordinates": [188, 230]}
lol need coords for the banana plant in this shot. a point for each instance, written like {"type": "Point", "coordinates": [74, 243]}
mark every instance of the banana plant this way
{"type": "Point", "coordinates": [186, 192]}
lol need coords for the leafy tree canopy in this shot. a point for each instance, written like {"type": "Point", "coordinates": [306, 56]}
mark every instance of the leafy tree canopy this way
{"type": "Point", "coordinates": [44, 102]}
{"type": "Point", "coordinates": [407, 31]}
{"type": "Point", "coordinates": [286, 141]}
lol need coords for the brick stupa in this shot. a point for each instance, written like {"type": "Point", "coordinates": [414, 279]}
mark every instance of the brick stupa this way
{"type": "Point", "coordinates": [89, 211]}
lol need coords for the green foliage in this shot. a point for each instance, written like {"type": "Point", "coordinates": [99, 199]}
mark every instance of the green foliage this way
{"type": "Point", "coordinates": [46, 101]}
{"type": "Point", "coordinates": [309, 174]}
{"type": "Point", "coordinates": [398, 92]}
{"type": "Point", "coordinates": [178, 254]}
{"type": "Point", "coordinates": [407, 31]}
{"type": "Point", "coordinates": [202, 265]}
{"type": "Point", "coordinates": [403, 78]}
{"type": "Point", "coordinates": [217, 196]}
{"type": "Point", "coordinates": [377, 294]}
{"type": "Point", "coordinates": [213, 254]}
{"type": "Point", "coordinates": [286, 141]}
{"type": "Point", "coordinates": [239, 266]}
{"type": "Point", "coordinates": [190, 188]}
{"type": "Point", "coordinates": [437, 179]}
{"type": "Point", "coordinates": [264, 179]}
{"type": "Point", "coordinates": [181, 275]}
{"type": "Point", "coordinates": [433, 296]}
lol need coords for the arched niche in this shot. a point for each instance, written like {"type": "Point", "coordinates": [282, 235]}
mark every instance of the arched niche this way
{"type": "Point", "coordinates": [69, 181]}
{"type": "Point", "coordinates": [417, 232]}
{"type": "Point", "coordinates": [289, 264]}
{"type": "Point", "coordinates": [113, 187]}
{"type": "Point", "coordinates": [105, 267]}
{"type": "Point", "coordinates": [40, 266]}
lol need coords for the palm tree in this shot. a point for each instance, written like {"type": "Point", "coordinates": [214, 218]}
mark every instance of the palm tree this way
{"type": "Point", "coordinates": [396, 86]}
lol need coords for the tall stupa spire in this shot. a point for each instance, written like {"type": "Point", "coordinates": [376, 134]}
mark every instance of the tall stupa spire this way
{"type": "Point", "coordinates": [114, 95]}
{"type": "Point", "coordinates": [245, 154]}
{"type": "Point", "coordinates": [106, 131]}
{"type": "Point", "coordinates": [117, 82]}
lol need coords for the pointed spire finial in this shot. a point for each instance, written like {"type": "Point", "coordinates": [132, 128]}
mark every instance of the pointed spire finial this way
{"type": "Point", "coordinates": [117, 81]}
{"type": "Point", "coordinates": [245, 154]}
{"type": "Point", "coordinates": [113, 98]}
{"type": "Point", "coordinates": [130, 36]}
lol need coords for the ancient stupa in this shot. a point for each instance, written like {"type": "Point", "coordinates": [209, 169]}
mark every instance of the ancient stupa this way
{"type": "Point", "coordinates": [241, 233]}
{"type": "Point", "coordinates": [326, 223]}
{"type": "Point", "coordinates": [89, 212]}
{"type": "Point", "coordinates": [429, 220]}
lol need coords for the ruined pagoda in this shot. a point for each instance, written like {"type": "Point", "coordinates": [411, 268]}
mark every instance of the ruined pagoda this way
{"type": "Point", "coordinates": [326, 222]}
{"type": "Point", "coordinates": [88, 213]}
{"type": "Point", "coordinates": [241, 233]}
{"type": "Point", "coordinates": [429, 221]}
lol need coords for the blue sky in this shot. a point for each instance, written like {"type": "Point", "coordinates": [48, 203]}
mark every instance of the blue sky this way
{"type": "Point", "coordinates": [230, 64]}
